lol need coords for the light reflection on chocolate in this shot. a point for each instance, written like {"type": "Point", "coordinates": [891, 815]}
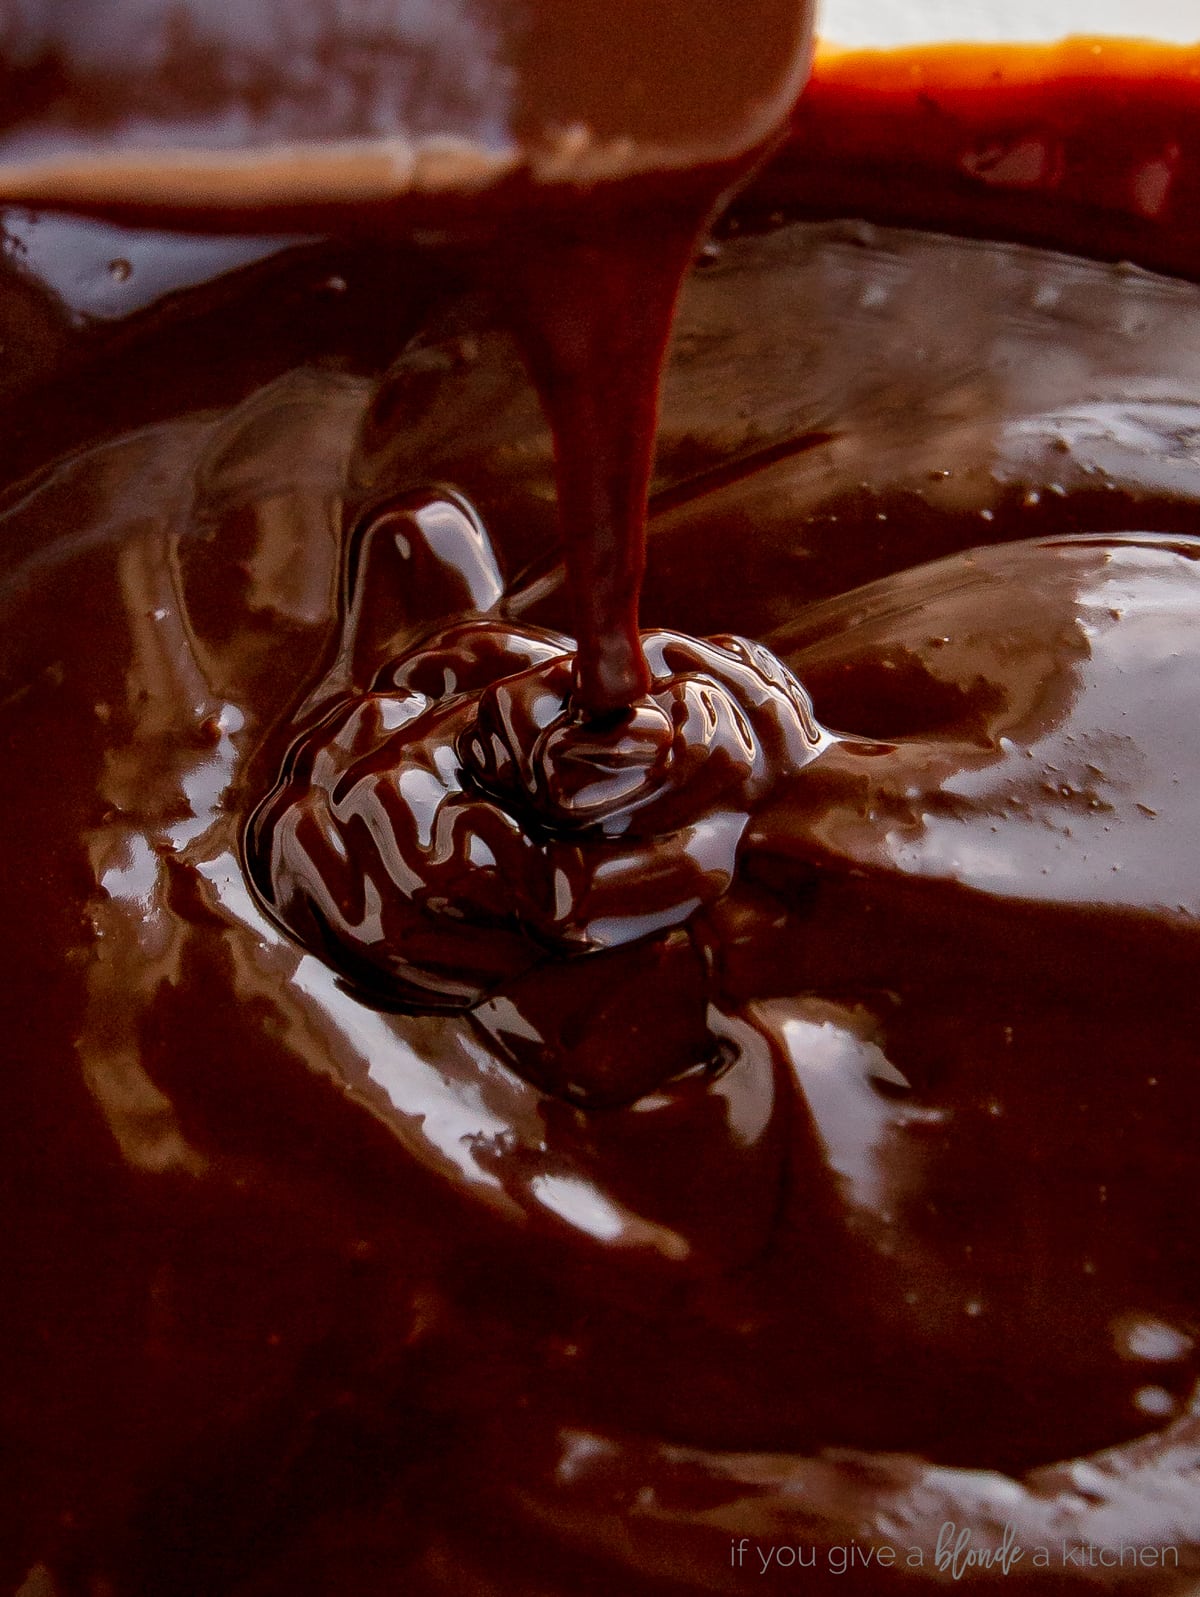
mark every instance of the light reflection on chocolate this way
{"type": "Point", "coordinates": [318, 1295]}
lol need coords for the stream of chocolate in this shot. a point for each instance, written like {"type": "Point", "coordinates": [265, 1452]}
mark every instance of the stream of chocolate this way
{"type": "Point", "coordinates": [491, 801]}
{"type": "Point", "coordinates": [595, 316]}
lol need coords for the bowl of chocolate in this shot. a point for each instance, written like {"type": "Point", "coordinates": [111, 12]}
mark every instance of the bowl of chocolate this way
{"type": "Point", "coordinates": [600, 697]}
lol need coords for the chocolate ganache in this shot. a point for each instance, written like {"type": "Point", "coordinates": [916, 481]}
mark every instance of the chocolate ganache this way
{"type": "Point", "coordinates": [492, 1110]}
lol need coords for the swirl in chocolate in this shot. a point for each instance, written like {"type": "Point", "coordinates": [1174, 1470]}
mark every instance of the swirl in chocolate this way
{"type": "Point", "coordinates": [460, 823]}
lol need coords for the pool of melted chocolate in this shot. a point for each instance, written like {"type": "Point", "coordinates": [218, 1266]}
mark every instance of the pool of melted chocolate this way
{"type": "Point", "coordinates": [829, 1185]}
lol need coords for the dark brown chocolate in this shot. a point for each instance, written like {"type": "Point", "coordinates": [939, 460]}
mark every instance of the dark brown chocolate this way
{"type": "Point", "coordinates": [887, 1221]}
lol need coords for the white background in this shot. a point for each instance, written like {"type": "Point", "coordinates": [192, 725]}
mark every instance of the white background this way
{"type": "Point", "coordinates": [885, 22]}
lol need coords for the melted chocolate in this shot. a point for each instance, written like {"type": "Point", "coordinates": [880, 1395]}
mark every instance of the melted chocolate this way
{"type": "Point", "coordinates": [594, 317]}
{"type": "Point", "coordinates": [886, 1219]}
{"type": "Point", "coordinates": [455, 825]}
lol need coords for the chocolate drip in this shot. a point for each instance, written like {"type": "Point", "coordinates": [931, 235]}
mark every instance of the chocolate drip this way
{"type": "Point", "coordinates": [594, 318]}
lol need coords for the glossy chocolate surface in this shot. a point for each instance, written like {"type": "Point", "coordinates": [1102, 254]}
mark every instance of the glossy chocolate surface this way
{"type": "Point", "coordinates": [856, 1198]}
